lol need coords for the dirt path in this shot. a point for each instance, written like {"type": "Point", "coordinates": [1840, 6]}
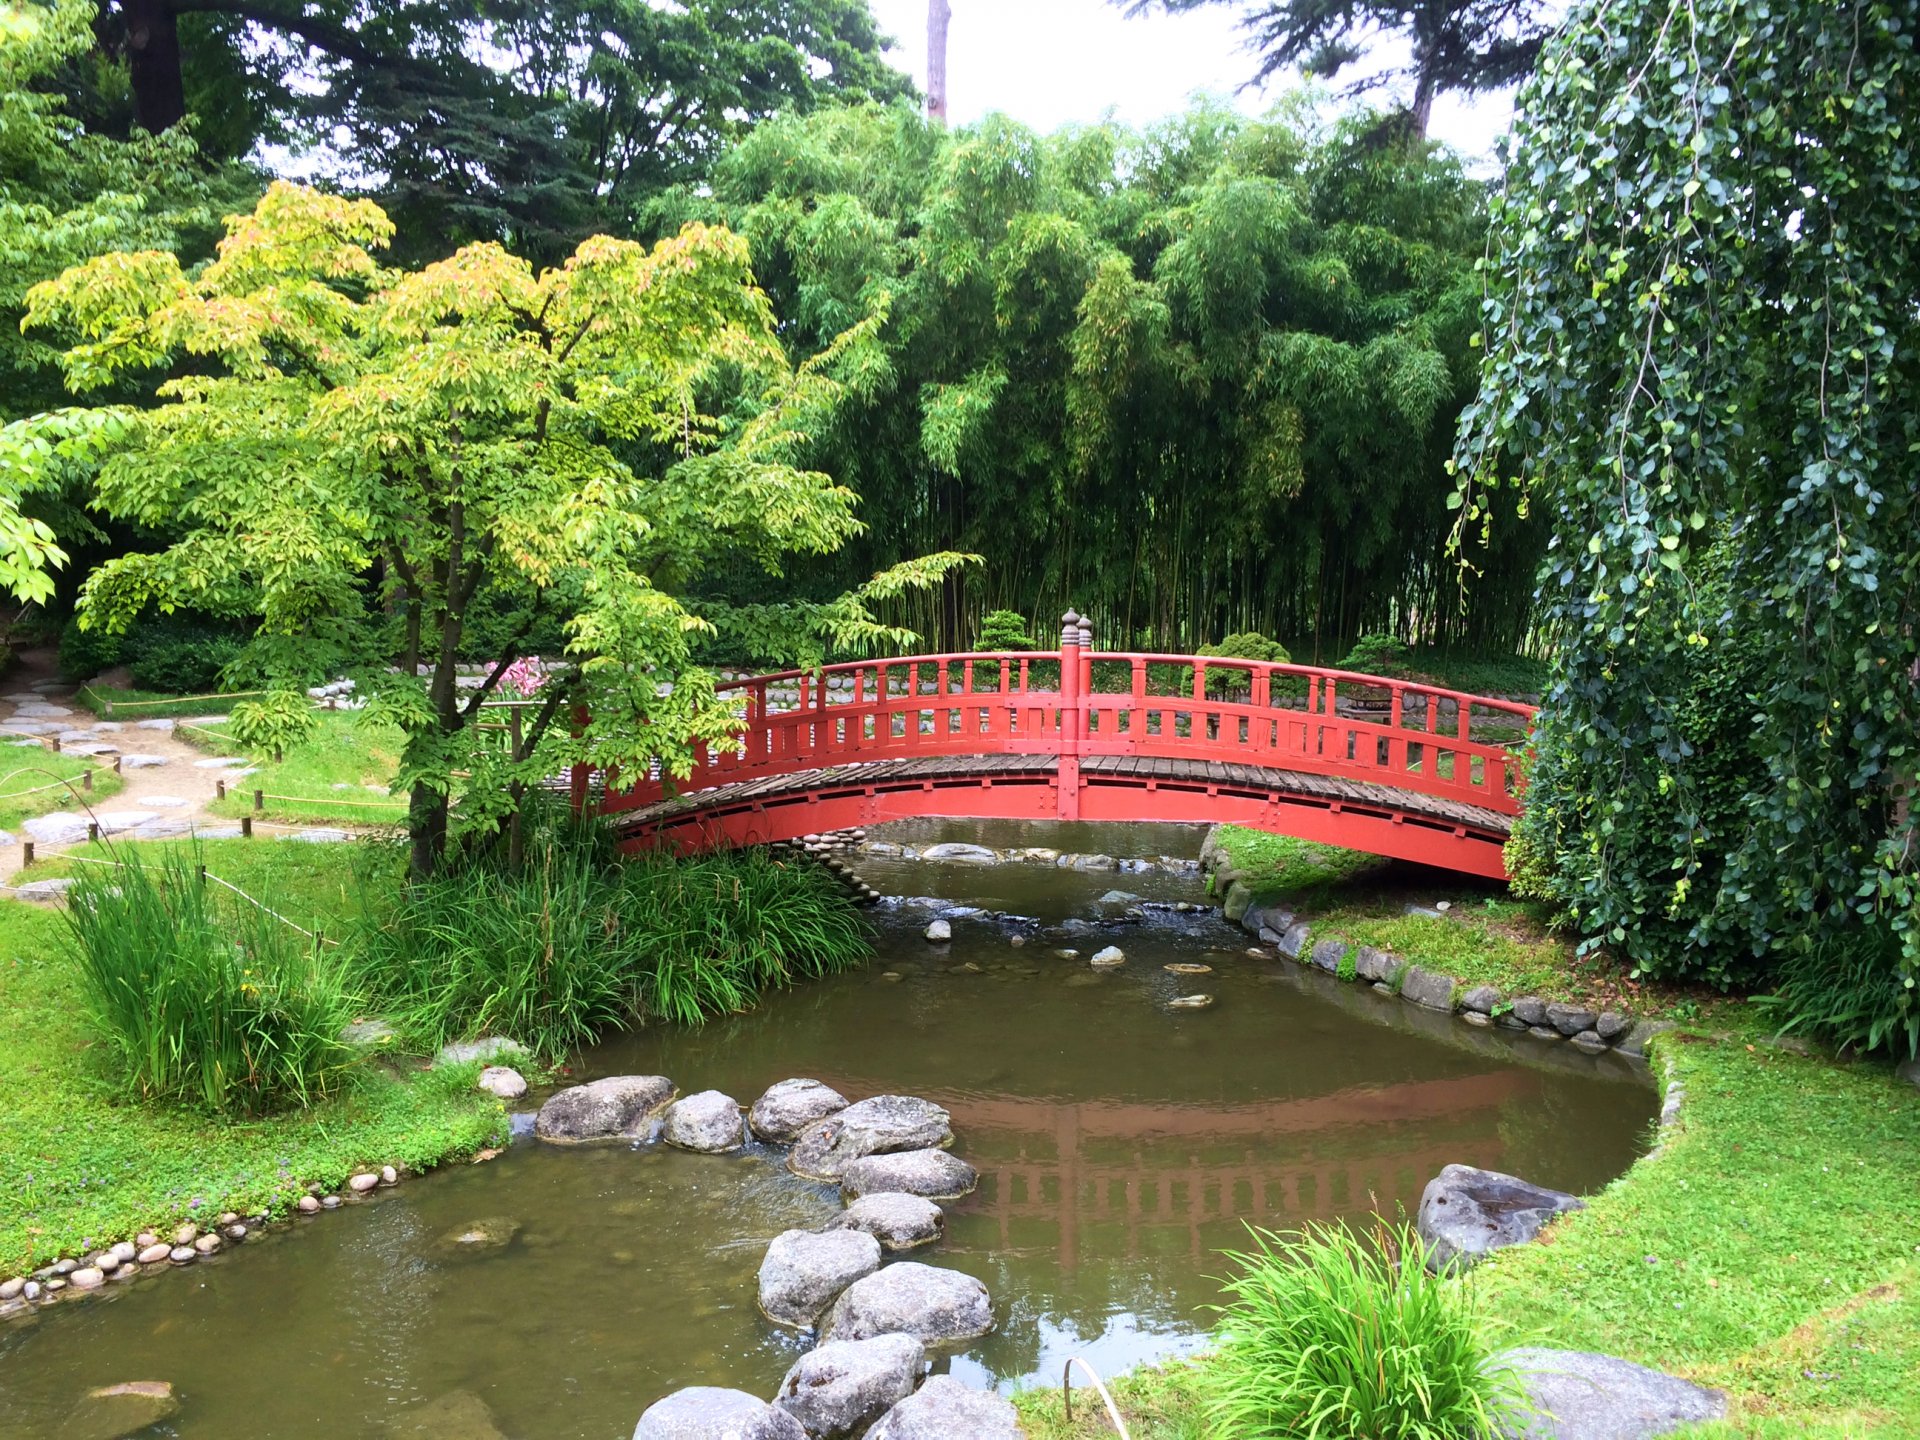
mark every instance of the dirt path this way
{"type": "Point", "coordinates": [168, 783]}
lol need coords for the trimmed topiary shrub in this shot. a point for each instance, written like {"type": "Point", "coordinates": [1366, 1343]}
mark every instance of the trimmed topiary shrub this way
{"type": "Point", "coordinates": [1377, 654]}
{"type": "Point", "coordinates": [85, 653]}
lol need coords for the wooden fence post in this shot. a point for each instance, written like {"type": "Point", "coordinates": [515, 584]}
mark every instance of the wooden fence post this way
{"type": "Point", "coordinates": [246, 827]}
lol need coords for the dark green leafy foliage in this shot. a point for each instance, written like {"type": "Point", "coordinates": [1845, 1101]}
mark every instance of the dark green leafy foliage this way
{"type": "Point", "coordinates": [1377, 654]}
{"type": "Point", "coordinates": [581, 941]}
{"type": "Point", "coordinates": [203, 998]}
{"type": "Point", "coordinates": [1331, 1334]}
{"type": "Point", "coordinates": [1850, 989]}
{"type": "Point", "coordinates": [1702, 351]}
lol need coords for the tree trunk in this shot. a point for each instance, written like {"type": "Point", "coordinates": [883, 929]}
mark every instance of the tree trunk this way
{"type": "Point", "coordinates": [153, 64]}
{"type": "Point", "coordinates": [1420, 114]}
{"type": "Point", "coordinates": [939, 13]}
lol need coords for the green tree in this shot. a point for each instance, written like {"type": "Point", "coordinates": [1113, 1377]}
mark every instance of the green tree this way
{"type": "Point", "coordinates": [356, 452]}
{"type": "Point", "coordinates": [1465, 46]}
{"type": "Point", "coordinates": [1702, 345]}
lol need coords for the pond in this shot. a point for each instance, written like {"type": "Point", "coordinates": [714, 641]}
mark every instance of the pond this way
{"type": "Point", "coordinates": [1120, 1144]}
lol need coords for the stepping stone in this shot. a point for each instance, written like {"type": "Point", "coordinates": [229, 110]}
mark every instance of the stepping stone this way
{"type": "Point", "coordinates": [142, 762]}
{"type": "Point", "coordinates": [786, 1110]}
{"type": "Point", "coordinates": [1576, 1395]}
{"type": "Point", "coordinates": [165, 802]}
{"type": "Point", "coordinates": [30, 727]}
{"type": "Point", "coordinates": [932, 1174]}
{"type": "Point", "coordinates": [167, 828]}
{"type": "Point", "coordinates": [844, 1386]}
{"type": "Point", "coordinates": [41, 710]}
{"type": "Point", "coordinates": [220, 762]}
{"type": "Point", "coordinates": [620, 1107]}
{"type": "Point", "coordinates": [62, 827]}
{"type": "Point", "coordinates": [882, 1124]}
{"type": "Point", "coordinates": [706, 1412]}
{"type": "Point", "coordinates": [90, 747]}
{"type": "Point", "coordinates": [216, 832]}
{"type": "Point", "coordinates": [107, 727]}
{"type": "Point", "coordinates": [804, 1272]}
{"type": "Point", "coordinates": [707, 1122]}
{"type": "Point", "coordinates": [25, 745]}
{"type": "Point", "coordinates": [163, 725]}
{"type": "Point", "coordinates": [898, 1221]}
{"type": "Point", "coordinates": [944, 1409]}
{"type": "Point", "coordinates": [489, 1049]}
{"type": "Point", "coordinates": [934, 1305]}
{"type": "Point", "coordinates": [43, 889]}
{"type": "Point", "coordinates": [116, 822]}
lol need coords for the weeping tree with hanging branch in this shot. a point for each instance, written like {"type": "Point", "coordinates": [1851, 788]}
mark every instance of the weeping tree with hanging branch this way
{"type": "Point", "coordinates": [1702, 347]}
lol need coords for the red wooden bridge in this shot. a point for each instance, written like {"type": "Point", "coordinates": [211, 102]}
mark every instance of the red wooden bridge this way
{"type": "Point", "coordinates": [1393, 767]}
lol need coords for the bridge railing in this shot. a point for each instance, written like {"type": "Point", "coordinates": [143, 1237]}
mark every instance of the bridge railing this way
{"type": "Point", "coordinates": [1077, 703]}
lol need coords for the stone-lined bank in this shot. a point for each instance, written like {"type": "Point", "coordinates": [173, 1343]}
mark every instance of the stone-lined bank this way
{"type": "Point", "coordinates": [1483, 1005]}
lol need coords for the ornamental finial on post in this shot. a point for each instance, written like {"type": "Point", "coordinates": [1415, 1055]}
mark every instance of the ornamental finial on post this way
{"type": "Point", "coordinates": [1070, 633]}
{"type": "Point", "coordinates": [1086, 632]}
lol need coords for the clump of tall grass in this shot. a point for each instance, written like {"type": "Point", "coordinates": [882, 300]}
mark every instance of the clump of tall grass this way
{"type": "Point", "coordinates": [1331, 1334]}
{"type": "Point", "coordinates": [205, 999]}
{"type": "Point", "coordinates": [579, 941]}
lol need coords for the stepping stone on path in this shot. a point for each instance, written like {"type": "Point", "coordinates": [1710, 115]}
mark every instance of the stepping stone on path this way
{"type": "Point", "coordinates": [43, 889]}
{"type": "Point", "coordinates": [220, 762]}
{"type": "Point", "coordinates": [62, 827]}
{"type": "Point", "coordinates": [165, 802]}
{"type": "Point", "coordinates": [115, 822]}
{"type": "Point", "coordinates": [167, 828]}
{"type": "Point", "coordinates": [164, 725]}
{"type": "Point", "coordinates": [142, 762]}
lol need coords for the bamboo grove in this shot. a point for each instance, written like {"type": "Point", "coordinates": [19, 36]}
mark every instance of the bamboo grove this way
{"type": "Point", "coordinates": [1193, 380]}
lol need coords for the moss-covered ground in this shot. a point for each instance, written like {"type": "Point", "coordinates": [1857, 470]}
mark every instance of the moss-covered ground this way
{"type": "Point", "coordinates": [1771, 1247]}
{"type": "Point", "coordinates": [81, 1165]}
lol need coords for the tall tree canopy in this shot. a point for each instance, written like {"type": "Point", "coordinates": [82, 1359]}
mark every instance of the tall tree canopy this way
{"type": "Point", "coordinates": [1457, 45]}
{"type": "Point", "coordinates": [1703, 347]}
{"type": "Point", "coordinates": [362, 460]}
{"type": "Point", "coordinates": [531, 121]}
{"type": "Point", "coordinates": [1197, 380]}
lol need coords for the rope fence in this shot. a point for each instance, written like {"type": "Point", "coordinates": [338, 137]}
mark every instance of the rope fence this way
{"type": "Point", "coordinates": [206, 874]}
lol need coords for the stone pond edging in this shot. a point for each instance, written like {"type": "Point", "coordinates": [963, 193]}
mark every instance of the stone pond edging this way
{"type": "Point", "coordinates": [1481, 1005]}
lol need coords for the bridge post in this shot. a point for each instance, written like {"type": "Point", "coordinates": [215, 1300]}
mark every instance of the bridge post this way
{"type": "Point", "coordinates": [1073, 716]}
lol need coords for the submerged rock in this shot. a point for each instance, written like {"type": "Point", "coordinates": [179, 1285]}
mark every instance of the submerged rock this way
{"type": "Point", "coordinates": [618, 1107]}
{"type": "Point", "coordinates": [480, 1237]}
{"type": "Point", "coordinates": [115, 1411]}
{"type": "Point", "coordinates": [1108, 956]}
{"type": "Point", "coordinates": [897, 1220]}
{"type": "Point", "coordinates": [457, 1415]}
{"type": "Point", "coordinates": [844, 1386]}
{"type": "Point", "coordinates": [786, 1109]}
{"type": "Point", "coordinates": [878, 1126]}
{"type": "Point", "coordinates": [945, 1409]}
{"type": "Point", "coordinates": [804, 1272]}
{"type": "Point", "coordinates": [939, 932]}
{"type": "Point", "coordinates": [1466, 1213]}
{"type": "Point", "coordinates": [1576, 1395]}
{"type": "Point", "coordinates": [936, 1306]}
{"type": "Point", "coordinates": [1190, 1002]}
{"type": "Point", "coordinates": [709, 1122]}
{"type": "Point", "coordinates": [705, 1412]}
{"type": "Point", "coordinates": [932, 1174]}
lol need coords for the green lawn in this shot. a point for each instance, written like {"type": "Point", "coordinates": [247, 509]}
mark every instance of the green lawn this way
{"type": "Point", "coordinates": [347, 750]}
{"type": "Point", "coordinates": [119, 702]}
{"type": "Point", "coordinates": [30, 782]}
{"type": "Point", "coordinates": [81, 1167]}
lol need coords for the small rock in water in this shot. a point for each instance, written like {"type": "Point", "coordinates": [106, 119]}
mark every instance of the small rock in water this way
{"type": "Point", "coordinates": [945, 1409]}
{"type": "Point", "coordinates": [457, 1415]}
{"type": "Point", "coordinates": [124, 1251]}
{"type": "Point", "coordinates": [389, 1175]}
{"type": "Point", "coordinates": [183, 1255]}
{"type": "Point", "coordinates": [618, 1107]}
{"type": "Point", "coordinates": [804, 1271]}
{"type": "Point", "coordinates": [1466, 1213]}
{"type": "Point", "coordinates": [502, 1080]}
{"type": "Point", "coordinates": [934, 1305]}
{"type": "Point", "coordinates": [939, 931]}
{"type": "Point", "coordinates": [186, 1234]}
{"type": "Point", "coordinates": [362, 1183]}
{"type": "Point", "coordinates": [207, 1244]}
{"type": "Point", "coordinates": [708, 1122]}
{"type": "Point", "coordinates": [880, 1125]}
{"type": "Point", "coordinates": [1188, 969]}
{"type": "Point", "coordinates": [309, 1205]}
{"type": "Point", "coordinates": [157, 1252]}
{"type": "Point", "coordinates": [897, 1220]}
{"type": "Point", "coordinates": [115, 1411]}
{"type": "Point", "coordinates": [933, 1174]}
{"type": "Point", "coordinates": [1107, 958]}
{"type": "Point", "coordinates": [1190, 1002]}
{"type": "Point", "coordinates": [87, 1277]}
{"type": "Point", "coordinates": [706, 1412]}
{"type": "Point", "coordinates": [845, 1385]}
{"type": "Point", "coordinates": [329, 1202]}
{"type": "Point", "coordinates": [786, 1109]}
{"type": "Point", "coordinates": [480, 1237]}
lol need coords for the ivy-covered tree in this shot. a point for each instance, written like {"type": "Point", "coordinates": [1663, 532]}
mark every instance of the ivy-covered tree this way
{"type": "Point", "coordinates": [1703, 347]}
{"type": "Point", "coordinates": [1457, 46]}
{"type": "Point", "coordinates": [354, 455]}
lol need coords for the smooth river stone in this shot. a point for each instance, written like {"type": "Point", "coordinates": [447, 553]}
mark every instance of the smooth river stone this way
{"type": "Point", "coordinates": [619, 1107]}
{"type": "Point", "coordinates": [897, 1220]}
{"type": "Point", "coordinates": [934, 1305]}
{"type": "Point", "coordinates": [1466, 1213]}
{"type": "Point", "coordinates": [934, 1174]}
{"type": "Point", "coordinates": [1575, 1395]}
{"type": "Point", "coordinates": [788, 1108]}
{"type": "Point", "coordinates": [945, 1409]}
{"type": "Point", "coordinates": [708, 1122]}
{"type": "Point", "coordinates": [879, 1126]}
{"type": "Point", "coordinates": [804, 1272]}
{"type": "Point", "coordinates": [844, 1386]}
{"type": "Point", "coordinates": [705, 1412]}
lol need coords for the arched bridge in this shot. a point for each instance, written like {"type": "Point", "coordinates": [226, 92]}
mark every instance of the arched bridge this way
{"type": "Point", "coordinates": [1400, 769]}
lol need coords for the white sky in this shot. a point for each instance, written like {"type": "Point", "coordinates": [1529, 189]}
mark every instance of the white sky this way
{"type": "Point", "coordinates": [1051, 62]}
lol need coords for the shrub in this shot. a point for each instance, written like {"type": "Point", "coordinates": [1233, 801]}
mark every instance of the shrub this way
{"type": "Point", "coordinates": [182, 663]}
{"type": "Point", "coordinates": [1329, 1334]}
{"type": "Point", "coordinates": [581, 941]}
{"type": "Point", "coordinates": [1004, 630]}
{"type": "Point", "coordinates": [1855, 989]}
{"type": "Point", "coordinates": [85, 653]}
{"type": "Point", "coordinates": [274, 723]}
{"type": "Point", "coordinates": [1247, 645]}
{"type": "Point", "coordinates": [206, 1000]}
{"type": "Point", "coordinates": [1377, 654]}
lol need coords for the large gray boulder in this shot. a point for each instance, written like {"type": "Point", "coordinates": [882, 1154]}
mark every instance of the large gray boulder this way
{"type": "Point", "coordinates": [962, 853]}
{"type": "Point", "coordinates": [897, 1220]}
{"type": "Point", "coordinates": [1466, 1213]}
{"type": "Point", "coordinates": [932, 1174]}
{"type": "Point", "coordinates": [1575, 1395]}
{"type": "Point", "coordinates": [619, 1107]}
{"type": "Point", "coordinates": [880, 1126]}
{"type": "Point", "coordinates": [844, 1386]}
{"type": "Point", "coordinates": [705, 1412]}
{"type": "Point", "coordinates": [114, 1411]}
{"type": "Point", "coordinates": [944, 1409]}
{"type": "Point", "coordinates": [804, 1272]}
{"type": "Point", "coordinates": [936, 1306]}
{"type": "Point", "coordinates": [708, 1122]}
{"type": "Point", "coordinates": [781, 1114]}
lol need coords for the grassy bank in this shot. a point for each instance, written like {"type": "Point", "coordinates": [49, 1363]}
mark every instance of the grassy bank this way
{"type": "Point", "coordinates": [336, 776]}
{"type": "Point", "coordinates": [1771, 1248]}
{"type": "Point", "coordinates": [35, 781]}
{"type": "Point", "coordinates": [81, 1167]}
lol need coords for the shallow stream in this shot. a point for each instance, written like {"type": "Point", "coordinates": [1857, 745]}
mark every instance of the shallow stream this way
{"type": "Point", "coordinates": [1120, 1143]}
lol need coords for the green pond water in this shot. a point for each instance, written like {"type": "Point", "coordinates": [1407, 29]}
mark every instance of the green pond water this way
{"type": "Point", "coordinates": [1120, 1144]}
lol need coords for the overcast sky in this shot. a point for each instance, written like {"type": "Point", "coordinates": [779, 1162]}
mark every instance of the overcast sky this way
{"type": "Point", "coordinates": [1051, 62]}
